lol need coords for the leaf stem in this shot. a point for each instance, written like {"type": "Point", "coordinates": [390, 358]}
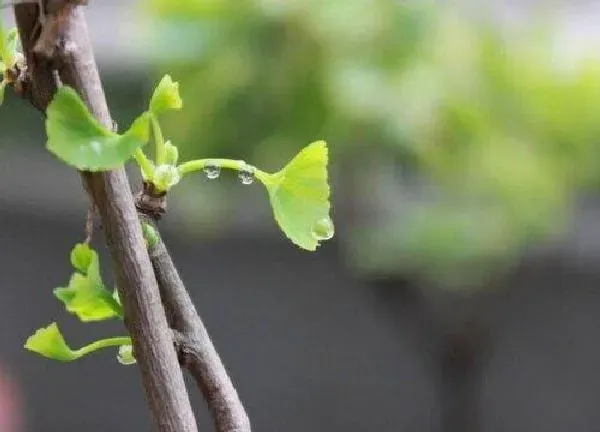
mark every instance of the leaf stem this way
{"type": "Point", "coordinates": [233, 164]}
{"type": "Point", "coordinates": [159, 141]}
{"type": "Point", "coordinates": [145, 164]}
{"type": "Point", "coordinates": [103, 343]}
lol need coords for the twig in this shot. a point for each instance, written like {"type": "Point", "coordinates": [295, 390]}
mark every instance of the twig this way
{"type": "Point", "coordinates": [194, 347]}
{"type": "Point", "coordinates": [145, 318]}
{"type": "Point", "coordinates": [89, 223]}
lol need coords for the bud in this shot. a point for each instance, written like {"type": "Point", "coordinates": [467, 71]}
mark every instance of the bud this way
{"type": "Point", "coordinates": [171, 153]}
{"type": "Point", "coordinates": [165, 96]}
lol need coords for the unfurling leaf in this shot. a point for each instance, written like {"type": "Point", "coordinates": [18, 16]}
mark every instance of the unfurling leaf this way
{"type": "Point", "coordinates": [49, 342]}
{"type": "Point", "coordinates": [171, 154]}
{"type": "Point", "coordinates": [76, 137]}
{"type": "Point", "coordinates": [165, 176]}
{"type": "Point", "coordinates": [85, 296]}
{"type": "Point", "coordinates": [299, 196]}
{"type": "Point", "coordinates": [8, 46]}
{"type": "Point", "coordinates": [166, 96]}
{"type": "Point", "coordinates": [81, 257]}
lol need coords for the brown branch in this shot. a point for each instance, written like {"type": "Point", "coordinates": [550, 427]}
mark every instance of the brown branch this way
{"type": "Point", "coordinates": [145, 318]}
{"type": "Point", "coordinates": [194, 347]}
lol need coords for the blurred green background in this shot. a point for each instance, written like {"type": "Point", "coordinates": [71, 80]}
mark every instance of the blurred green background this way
{"type": "Point", "coordinates": [456, 143]}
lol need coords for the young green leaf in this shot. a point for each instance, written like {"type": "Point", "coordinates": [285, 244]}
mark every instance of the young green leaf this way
{"type": "Point", "coordinates": [76, 137]}
{"type": "Point", "coordinates": [171, 153]}
{"type": "Point", "coordinates": [299, 196]}
{"type": "Point", "coordinates": [88, 300]}
{"type": "Point", "coordinates": [3, 43]}
{"type": "Point", "coordinates": [85, 296]}
{"type": "Point", "coordinates": [10, 47]}
{"type": "Point", "coordinates": [82, 256]}
{"type": "Point", "coordinates": [165, 177]}
{"type": "Point", "coordinates": [166, 96]}
{"type": "Point", "coordinates": [50, 343]}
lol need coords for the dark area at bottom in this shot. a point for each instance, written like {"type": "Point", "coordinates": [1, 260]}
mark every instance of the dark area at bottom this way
{"type": "Point", "coordinates": [313, 349]}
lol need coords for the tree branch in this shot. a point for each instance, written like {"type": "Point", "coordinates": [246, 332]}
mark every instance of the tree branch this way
{"type": "Point", "coordinates": [194, 347]}
{"type": "Point", "coordinates": [110, 191]}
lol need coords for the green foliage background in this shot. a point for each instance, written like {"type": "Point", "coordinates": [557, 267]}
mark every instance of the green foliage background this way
{"type": "Point", "coordinates": [455, 144]}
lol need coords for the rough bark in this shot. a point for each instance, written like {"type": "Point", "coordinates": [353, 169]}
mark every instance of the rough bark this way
{"type": "Point", "coordinates": [194, 346]}
{"type": "Point", "coordinates": [110, 191]}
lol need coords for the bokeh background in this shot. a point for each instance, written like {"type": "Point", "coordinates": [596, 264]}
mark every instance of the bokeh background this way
{"type": "Point", "coordinates": [460, 293]}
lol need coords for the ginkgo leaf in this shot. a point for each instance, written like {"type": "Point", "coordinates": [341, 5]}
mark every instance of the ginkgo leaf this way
{"type": "Point", "coordinates": [50, 343]}
{"type": "Point", "coordinates": [299, 196]}
{"type": "Point", "coordinates": [88, 300]}
{"type": "Point", "coordinates": [76, 137]}
{"type": "Point", "coordinates": [85, 296]}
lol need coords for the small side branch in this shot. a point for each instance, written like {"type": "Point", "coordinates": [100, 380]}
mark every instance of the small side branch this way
{"type": "Point", "coordinates": [195, 349]}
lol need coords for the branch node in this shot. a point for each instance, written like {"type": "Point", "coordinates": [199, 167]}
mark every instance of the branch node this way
{"type": "Point", "coordinates": [151, 202]}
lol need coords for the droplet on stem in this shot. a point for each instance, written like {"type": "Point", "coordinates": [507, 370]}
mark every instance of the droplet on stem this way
{"type": "Point", "coordinates": [323, 229]}
{"type": "Point", "coordinates": [212, 171]}
{"type": "Point", "coordinates": [246, 174]}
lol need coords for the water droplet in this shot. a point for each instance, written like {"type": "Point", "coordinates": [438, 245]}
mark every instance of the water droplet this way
{"type": "Point", "coordinates": [323, 229]}
{"type": "Point", "coordinates": [212, 171]}
{"type": "Point", "coordinates": [246, 174]}
{"type": "Point", "coordinates": [96, 147]}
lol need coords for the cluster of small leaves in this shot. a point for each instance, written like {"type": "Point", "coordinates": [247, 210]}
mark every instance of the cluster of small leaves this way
{"type": "Point", "coordinates": [299, 196]}
{"type": "Point", "coordinates": [9, 57]}
{"type": "Point", "coordinates": [299, 193]}
{"type": "Point", "coordinates": [87, 298]}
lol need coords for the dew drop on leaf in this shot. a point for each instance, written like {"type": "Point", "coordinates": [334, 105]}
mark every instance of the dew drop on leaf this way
{"type": "Point", "coordinates": [246, 174]}
{"type": "Point", "coordinates": [323, 229]}
{"type": "Point", "coordinates": [212, 171]}
{"type": "Point", "coordinates": [96, 147]}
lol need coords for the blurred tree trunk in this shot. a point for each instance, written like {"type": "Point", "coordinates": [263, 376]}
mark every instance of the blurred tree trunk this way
{"type": "Point", "coordinates": [452, 338]}
{"type": "Point", "coordinates": [460, 378]}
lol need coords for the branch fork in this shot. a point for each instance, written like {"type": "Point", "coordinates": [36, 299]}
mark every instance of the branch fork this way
{"type": "Point", "coordinates": [159, 312]}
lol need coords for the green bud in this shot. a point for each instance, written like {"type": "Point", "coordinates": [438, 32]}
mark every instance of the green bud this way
{"type": "Point", "coordinates": [150, 234]}
{"type": "Point", "coordinates": [165, 176]}
{"type": "Point", "coordinates": [166, 96]}
{"type": "Point", "coordinates": [125, 355]}
{"type": "Point", "coordinates": [171, 153]}
{"type": "Point", "coordinates": [81, 257]}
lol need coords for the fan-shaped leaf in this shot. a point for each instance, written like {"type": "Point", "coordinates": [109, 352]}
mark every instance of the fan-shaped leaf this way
{"type": "Point", "coordinates": [299, 196]}
{"type": "Point", "coordinates": [49, 342]}
{"type": "Point", "coordinates": [77, 138]}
